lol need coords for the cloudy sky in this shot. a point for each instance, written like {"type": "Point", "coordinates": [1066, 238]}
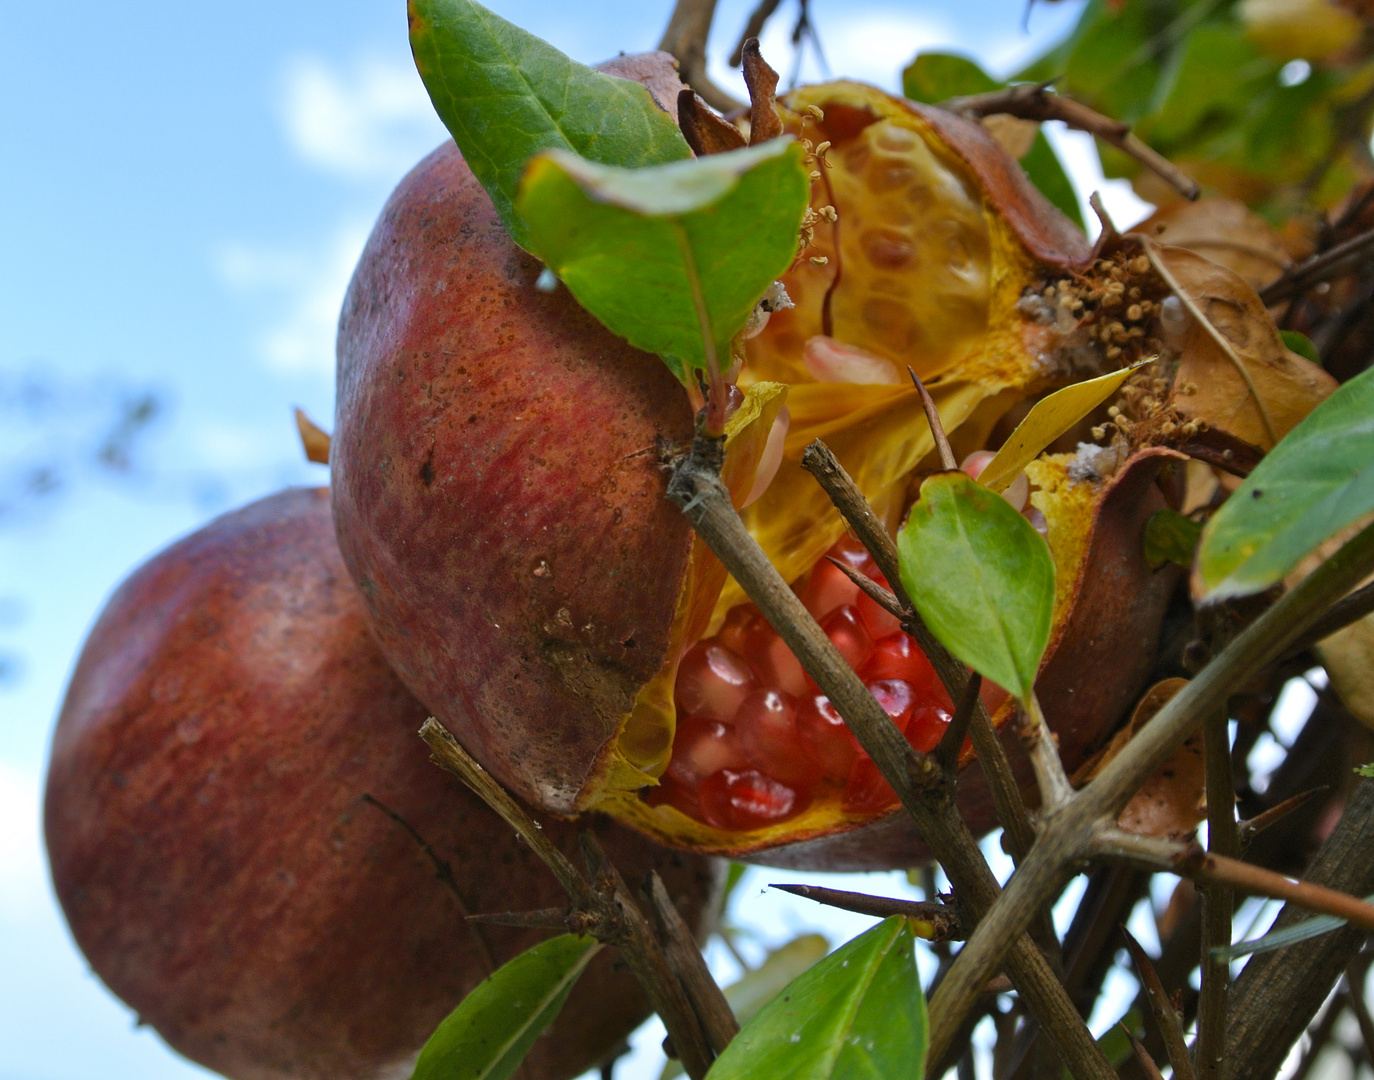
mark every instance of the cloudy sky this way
{"type": "Point", "coordinates": [183, 192]}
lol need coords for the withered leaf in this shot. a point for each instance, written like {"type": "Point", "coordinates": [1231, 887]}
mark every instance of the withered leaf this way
{"type": "Point", "coordinates": [706, 132]}
{"type": "Point", "coordinates": [1226, 231]}
{"type": "Point", "coordinates": [314, 439]}
{"type": "Point", "coordinates": [1210, 385]}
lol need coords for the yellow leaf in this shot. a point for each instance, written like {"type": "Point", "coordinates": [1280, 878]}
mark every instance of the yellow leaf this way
{"type": "Point", "coordinates": [1051, 417]}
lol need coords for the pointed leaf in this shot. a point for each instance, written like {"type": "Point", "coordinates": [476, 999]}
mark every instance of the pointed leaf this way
{"type": "Point", "coordinates": [488, 1034]}
{"type": "Point", "coordinates": [505, 95]}
{"type": "Point", "coordinates": [1314, 483]}
{"type": "Point", "coordinates": [981, 577]}
{"type": "Point", "coordinates": [672, 258]}
{"type": "Point", "coordinates": [1289, 935]}
{"type": "Point", "coordinates": [1049, 419]}
{"type": "Point", "coordinates": [857, 1015]}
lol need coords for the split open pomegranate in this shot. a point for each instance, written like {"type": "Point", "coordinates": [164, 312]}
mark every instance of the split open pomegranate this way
{"type": "Point", "coordinates": [756, 740]}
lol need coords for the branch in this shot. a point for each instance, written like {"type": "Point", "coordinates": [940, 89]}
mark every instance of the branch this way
{"type": "Point", "coordinates": [1218, 899]}
{"type": "Point", "coordinates": [1329, 264]}
{"type": "Point", "coordinates": [1032, 101]}
{"type": "Point", "coordinates": [611, 916]}
{"type": "Point", "coordinates": [941, 921]}
{"type": "Point", "coordinates": [688, 30]}
{"type": "Point", "coordinates": [1069, 833]}
{"type": "Point", "coordinates": [1166, 1017]}
{"type": "Point", "coordinates": [753, 28]}
{"type": "Point", "coordinates": [919, 783]}
{"type": "Point", "coordinates": [1349, 610]}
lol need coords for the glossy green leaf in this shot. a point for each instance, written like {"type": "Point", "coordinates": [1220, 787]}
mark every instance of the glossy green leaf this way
{"type": "Point", "coordinates": [934, 77]}
{"type": "Point", "coordinates": [488, 1034]}
{"type": "Point", "coordinates": [981, 577]}
{"type": "Point", "coordinates": [1300, 343]}
{"type": "Point", "coordinates": [672, 258]}
{"type": "Point", "coordinates": [758, 987]}
{"type": "Point", "coordinates": [505, 95]}
{"type": "Point", "coordinates": [1315, 482]}
{"type": "Point", "coordinates": [857, 1015]}
{"type": "Point", "coordinates": [1171, 537]}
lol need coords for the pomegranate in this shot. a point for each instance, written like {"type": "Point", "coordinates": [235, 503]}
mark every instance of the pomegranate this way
{"type": "Point", "coordinates": [215, 857]}
{"type": "Point", "coordinates": [499, 502]}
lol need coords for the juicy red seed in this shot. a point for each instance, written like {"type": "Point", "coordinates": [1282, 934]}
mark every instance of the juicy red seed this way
{"type": "Point", "coordinates": [866, 792]}
{"type": "Point", "coordinates": [672, 793]}
{"type": "Point", "coordinates": [827, 589]}
{"type": "Point", "coordinates": [733, 800]}
{"type": "Point", "coordinates": [825, 737]}
{"type": "Point", "coordinates": [849, 635]}
{"type": "Point", "coordinates": [854, 554]}
{"type": "Point", "coordinates": [881, 623]}
{"type": "Point", "coordinates": [896, 697]}
{"type": "Point", "coordinates": [702, 747]}
{"type": "Point", "coordinates": [712, 681]}
{"type": "Point", "coordinates": [898, 657]}
{"type": "Point", "coordinates": [747, 633]}
{"type": "Point", "coordinates": [767, 728]}
{"type": "Point", "coordinates": [926, 726]}
{"type": "Point", "coordinates": [742, 627]}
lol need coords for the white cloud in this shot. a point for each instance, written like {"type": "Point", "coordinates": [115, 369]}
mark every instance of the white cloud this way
{"type": "Point", "coordinates": [310, 284]}
{"type": "Point", "coordinates": [368, 121]}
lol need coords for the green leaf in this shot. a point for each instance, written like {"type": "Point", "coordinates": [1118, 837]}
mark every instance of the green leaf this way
{"type": "Point", "coordinates": [857, 1015]}
{"type": "Point", "coordinates": [1171, 537]}
{"type": "Point", "coordinates": [490, 1032]}
{"type": "Point", "coordinates": [1300, 343]}
{"type": "Point", "coordinates": [1315, 482]}
{"type": "Point", "coordinates": [672, 258]}
{"type": "Point", "coordinates": [1365, 770]}
{"type": "Point", "coordinates": [934, 77]}
{"type": "Point", "coordinates": [1289, 935]}
{"type": "Point", "coordinates": [505, 95]}
{"type": "Point", "coordinates": [981, 577]}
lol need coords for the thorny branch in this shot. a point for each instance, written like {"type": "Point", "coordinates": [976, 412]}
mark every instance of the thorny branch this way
{"type": "Point", "coordinates": [689, 28]}
{"type": "Point", "coordinates": [1033, 101]}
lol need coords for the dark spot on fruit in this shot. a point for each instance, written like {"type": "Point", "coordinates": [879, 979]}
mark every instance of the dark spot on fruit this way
{"type": "Point", "coordinates": [427, 471]}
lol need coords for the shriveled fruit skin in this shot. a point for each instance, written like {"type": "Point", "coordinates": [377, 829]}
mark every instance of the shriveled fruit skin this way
{"type": "Point", "coordinates": [213, 853]}
{"type": "Point", "coordinates": [498, 496]}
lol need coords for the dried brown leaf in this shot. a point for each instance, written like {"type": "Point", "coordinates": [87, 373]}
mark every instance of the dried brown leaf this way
{"type": "Point", "coordinates": [1219, 383]}
{"type": "Point", "coordinates": [314, 439]}
{"type": "Point", "coordinates": [762, 80]}
{"type": "Point", "coordinates": [705, 131]}
{"type": "Point", "coordinates": [1225, 231]}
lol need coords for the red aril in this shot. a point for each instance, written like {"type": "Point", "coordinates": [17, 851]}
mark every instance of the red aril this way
{"type": "Point", "coordinates": [767, 729]}
{"type": "Point", "coordinates": [866, 792]}
{"type": "Point", "coordinates": [897, 697]}
{"type": "Point", "coordinates": [825, 737]}
{"type": "Point", "coordinates": [898, 657]}
{"type": "Point", "coordinates": [849, 635]}
{"type": "Point", "coordinates": [926, 726]}
{"type": "Point", "coordinates": [712, 682]}
{"type": "Point", "coordinates": [734, 801]}
{"type": "Point", "coordinates": [826, 589]}
{"type": "Point", "coordinates": [702, 747]}
{"type": "Point", "coordinates": [748, 634]}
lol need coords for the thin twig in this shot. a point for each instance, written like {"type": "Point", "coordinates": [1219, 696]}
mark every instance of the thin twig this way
{"type": "Point", "coordinates": [1031, 101]}
{"type": "Point", "coordinates": [1055, 789]}
{"type": "Point", "coordinates": [1355, 1002]}
{"type": "Point", "coordinates": [443, 872]}
{"type": "Point", "coordinates": [612, 916]}
{"type": "Point", "coordinates": [1218, 899]}
{"type": "Point", "coordinates": [1142, 1055]}
{"type": "Point", "coordinates": [1205, 868]}
{"type": "Point", "coordinates": [684, 957]}
{"type": "Point", "coordinates": [1248, 829]}
{"type": "Point", "coordinates": [686, 37]}
{"type": "Point", "coordinates": [884, 598]}
{"type": "Point", "coordinates": [941, 920]}
{"type": "Point", "coordinates": [1166, 1017]}
{"type": "Point", "coordinates": [1349, 610]}
{"type": "Point", "coordinates": [1070, 833]}
{"type": "Point", "coordinates": [952, 741]}
{"type": "Point", "coordinates": [544, 919]}
{"type": "Point", "coordinates": [753, 28]}
{"type": "Point", "coordinates": [1323, 267]}
{"type": "Point", "coordinates": [695, 486]}
{"type": "Point", "coordinates": [937, 427]}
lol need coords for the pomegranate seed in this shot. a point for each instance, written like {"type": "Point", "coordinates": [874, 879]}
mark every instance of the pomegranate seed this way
{"type": "Point", "coordinates": [881, 623]}
{"type": "Point", "coordinates": [742, 626]}
{"type": "Point", "coordinates": [898, 657]}
{"type": "Point", "coordinates": [734, 801]}
{"type": "Point", "coordinates": [825, 737]}
{"type": "Point", "coordinates": [926, 726]}
{"type": "Point", "coordinates": [712, 681]}
{"type": "Point", "coordinates": [849, 635]}
{"type": "Point", "coordinates": [767, 728]}
{"type": "Point", "coordinates": [977, 461]}
{"type": "Point", "coordinates": [827, 589]}
{"type": "Point", "coordinates": [853, 554]}
{"type": "Point", "coordinates": [677, 795]}
{"type": "Point", "coordinates": [702, 747]}
{"type": "Point", "coordinates": [867, 792]}
{"type": "Point", "coordinates": [747, 633]}
{"type": "Point", "coordinates": [896, 697]}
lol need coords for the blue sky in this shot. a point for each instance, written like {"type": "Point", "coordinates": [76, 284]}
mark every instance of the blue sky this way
{"type": "Point", "coordinates": [183, 191]}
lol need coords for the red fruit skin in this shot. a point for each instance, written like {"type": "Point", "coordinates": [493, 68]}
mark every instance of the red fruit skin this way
{"type": "Point", "coordinates": [211, 849]}
{"type": "Point", "coordinates": [497, 493]}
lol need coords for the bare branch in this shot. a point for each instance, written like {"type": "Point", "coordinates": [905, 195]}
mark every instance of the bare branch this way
{"type": "Point", "coordinates": [1322, 267]}
{"type": "Point", "coordinates": [1218, 899]}
{"type": "Point", "coordinates": [544, 919]}
{"type": "Point", "coordinates": [689, 29]}
{"type": "Point", "coordinates": [1031, 101]}
{"type": "Point", "coordinates": [952, 741]}
{"type": "Point", "coordinates": [1166, 1017]}
{"type": "Point", "coordinates": [941, 920]}
{"type": "Point", "coordinates": [937, 427]}
{"type": "Point", "coordinates": [1250, 828]}
{"type": "Point", "coordinates": [753, 28]}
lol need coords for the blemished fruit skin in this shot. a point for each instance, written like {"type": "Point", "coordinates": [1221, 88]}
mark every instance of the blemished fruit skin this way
{"type": "Point", "coordinates": [522, 602]}
{"type": "Point", "coordinates": [214, 855]}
